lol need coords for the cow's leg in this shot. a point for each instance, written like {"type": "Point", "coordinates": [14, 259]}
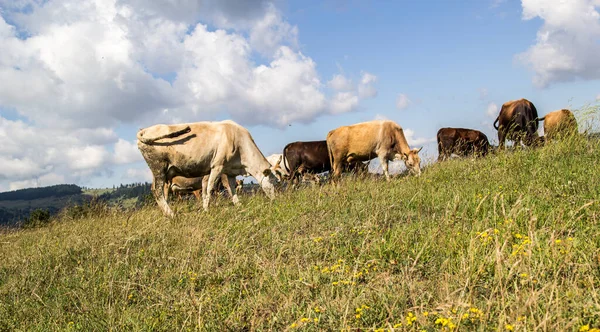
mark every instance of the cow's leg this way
{"type": "Point", "coordinates": [160, 178]}
{"type": "Point", "coordinates": [215, 173]}
{"type": "Point", "coordinates": [501, 137]}
{"type": "Point", "coordinates": [197, 194]}
{"type": "Point", "coordinates": [384, 166]}
{"type": "Point", "coordinates": [231, 185]}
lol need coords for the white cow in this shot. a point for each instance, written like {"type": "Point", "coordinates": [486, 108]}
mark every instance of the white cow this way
{"type": "Point", "coordinates": [202, 148]}
{"type": "Point", "coordinates": [276, 161]}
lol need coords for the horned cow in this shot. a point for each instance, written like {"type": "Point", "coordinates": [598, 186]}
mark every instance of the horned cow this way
{"type": "Point", "coordinates": [202, 148]}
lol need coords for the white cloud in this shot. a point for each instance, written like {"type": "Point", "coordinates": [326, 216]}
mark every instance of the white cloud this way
{"type": "Point", "coordinates": [271, 32]}
{"type": "Point", "coordinates": [139, 174]}
{"type": "Point", "coordinates": [343, 102]}
{"type": "Point", "coordinates": [402, 102]}
{"type": "Point", "coordinates": [598, 97]}
{"type": "Point", "coordinates": [126, 152]}
{"type": "Point", "coordinates": [567, 44]}
{"type": "Point", "coordinates": [416, 141]}
{"type": "Point", "coordinates": [340, 83]}
{"type": "Point", "coordinates": [380, 117]}
{"type": "Point", "coordinates": [492, 110]}
{"type": "Point", "coordinates": [366, 88]}
{"type": "Point", "coordinates": [86, 157]}
{"type": "Point", "coordinates": [81, 69]}
{"type": "Point", "coordinates": [44, 180]}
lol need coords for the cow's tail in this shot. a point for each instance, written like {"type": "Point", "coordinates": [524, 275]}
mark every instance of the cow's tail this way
{"type": "Point", "coordinates": [495, 122]}
{"type": "Point", "coordinates": [177, 133]}
{"type": "Point", "coordinates": [330, 152]}
{"type": "Point", "coordinates": [540, 119]}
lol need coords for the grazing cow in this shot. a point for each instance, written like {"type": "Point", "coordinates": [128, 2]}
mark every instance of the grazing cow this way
{"type": "Point", "coordinates": [311, 157]}
{"type": "Point", "coordinates": [367, 140]}
{"type": "Point", "coordinates": [199, 149]}
{"type": "Point", "coordinates": [276, 161]}
{"type": "Point", "coordinates": [462, 142]}
{"type": "Point", "coordinates": [559, 124]}
{"type": "Point", "coordinates": [517, 121]}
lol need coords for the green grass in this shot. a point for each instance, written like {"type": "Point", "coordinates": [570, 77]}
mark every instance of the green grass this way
{"type": "Point", "coordinates": [509, 241]}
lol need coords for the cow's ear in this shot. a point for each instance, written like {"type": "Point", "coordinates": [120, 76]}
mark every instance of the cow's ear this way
{"type": "Point", "coordinates": [267, 171]}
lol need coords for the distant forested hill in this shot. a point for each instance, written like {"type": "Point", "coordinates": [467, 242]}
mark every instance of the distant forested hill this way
{"type": "Point", "coordinates": [17, 205]}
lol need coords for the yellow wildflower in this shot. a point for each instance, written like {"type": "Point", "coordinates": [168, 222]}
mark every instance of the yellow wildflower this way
{"type": "Point", "coordinates": [316, 320]}
{"type": "Point", "coordinates": [304, 320]}
{"type": "Point", "coordinates": [397, 325]}
{"type": "Point", "coordinates": [558, 241]}
{"type": "Point", "coordinates": [317, 309]}
{"type": "Point", "coordinates": [509, 327]}
{"type": "Point", "coordinates": [294, 325]}
{"type": "Point", "coordinates": [584, 328]}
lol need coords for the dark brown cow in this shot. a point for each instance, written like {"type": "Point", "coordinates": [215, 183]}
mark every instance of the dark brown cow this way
{"type": "Point", "coordinates": [462, 142]}
{"type": "Point", "coordinates": [311, 157]}
{"type": "Point", "coordinates": [518, 122]}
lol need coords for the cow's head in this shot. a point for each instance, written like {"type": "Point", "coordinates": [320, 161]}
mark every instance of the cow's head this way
{"type": "Point", "coordinates": [268, 182]}
{"type": "Point", "coordinates": [277, 170]}
{"type": "Point", "coordinates": [412, 160]}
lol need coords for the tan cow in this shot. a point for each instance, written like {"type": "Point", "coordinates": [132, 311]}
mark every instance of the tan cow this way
{"type": "Point", "coordinates": [199, 149]}
{"type": "Point", "coordinates": [367, 140]}
{"type": "Point", "coordinates": [559, 124]}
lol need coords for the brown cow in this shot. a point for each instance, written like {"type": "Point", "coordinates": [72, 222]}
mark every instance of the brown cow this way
{"type": "Point", "coordinates": [517, 121]}
{"type": "Point", "coordinates": [199, 149]}
{"type": "Point", "coordinates": [367, 140]}
{"type": "Point", "coordinates": [559, 124]}
{"type": "Point", "coordinates": [462, 142]}
{"type": "Point", "coordinates": [311, 157]}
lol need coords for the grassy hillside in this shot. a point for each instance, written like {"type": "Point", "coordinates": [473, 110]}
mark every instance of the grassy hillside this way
{"type": "Point", "coordinates": [510, 242]}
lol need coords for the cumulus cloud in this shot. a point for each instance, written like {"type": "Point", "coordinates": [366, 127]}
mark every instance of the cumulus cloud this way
{"type": "Point", "coordinates": [416, 141]}
{"type": "Point", "coordinates": [42, 181]}
{"type": "Point", "coordinates": [271, 32]}
{"type": "Point", "coordinates": [126, 152]}
{"type": "Point", "coordinates": [366, 88]}
{"type": "Point", "coordinates": [138, 174]}
{"type": "Point", "coordinates": [402, 102]}
{"type": "Point", "coordinates": [340, 83]}
{"type": "Point", "coordinates": [492, 110]}
{"type": "Point", "coordinates": [567, 44]}
{"type": "Point", "coordinates": [598, 97]}
{"type": "Point", "coordinates": [343, 102]}
{"type": "Point", "coordinates": [80, 69]}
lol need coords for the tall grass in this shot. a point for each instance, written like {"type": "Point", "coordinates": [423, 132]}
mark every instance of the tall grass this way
{"type": "Point", "coordinates": [508, 242]}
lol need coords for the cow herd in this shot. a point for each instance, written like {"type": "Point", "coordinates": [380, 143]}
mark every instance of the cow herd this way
{"type": "Point", "coordinates": [193, 157]}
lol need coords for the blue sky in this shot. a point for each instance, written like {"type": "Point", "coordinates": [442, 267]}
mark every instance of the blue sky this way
{"type": "Point", "coordinates": [79, 81]}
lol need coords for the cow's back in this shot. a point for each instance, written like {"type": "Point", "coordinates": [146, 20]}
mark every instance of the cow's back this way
{"type": "Point", "coordinates": [312, 155]}
{"type": "Point", "coordinates": [360, 139]}
{"type": "Point", "coordinates": [561, 122]}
